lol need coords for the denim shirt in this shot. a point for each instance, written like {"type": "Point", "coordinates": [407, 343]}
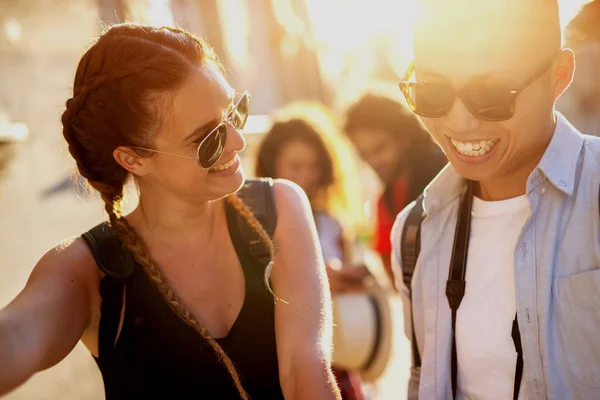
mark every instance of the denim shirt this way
{"type": "Point", "coordinates": [557, 275]}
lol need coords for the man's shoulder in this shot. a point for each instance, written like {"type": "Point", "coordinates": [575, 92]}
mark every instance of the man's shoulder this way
{"type": "Point", "coordinates": [399, 227]}
{"type": "Point", "coordinates": [396, 238]}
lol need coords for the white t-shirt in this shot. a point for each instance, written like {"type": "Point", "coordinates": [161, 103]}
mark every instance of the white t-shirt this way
{"type": "Point", "coordinates": [485, 349]}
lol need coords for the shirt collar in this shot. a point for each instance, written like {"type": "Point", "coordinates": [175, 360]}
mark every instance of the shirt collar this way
{"type": "Point", "coordinates": [560, 160]}
{"type": "Point", "coordinates": [558, 164]}
{"type": "Point", "coordinates": [444, 188]}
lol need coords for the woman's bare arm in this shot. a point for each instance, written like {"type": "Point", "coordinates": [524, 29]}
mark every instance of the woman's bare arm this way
{"type": "Point", "coordinates": [303, 321]}
{"type": "Point", "coordinates": [45, 321]}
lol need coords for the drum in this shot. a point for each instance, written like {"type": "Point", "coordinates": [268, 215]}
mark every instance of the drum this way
{"type": "Point", "coordinates": [362, 335]}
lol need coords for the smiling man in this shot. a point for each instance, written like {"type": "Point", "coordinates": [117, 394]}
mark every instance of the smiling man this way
{"type": "Point", "coordinates": [499, 261]}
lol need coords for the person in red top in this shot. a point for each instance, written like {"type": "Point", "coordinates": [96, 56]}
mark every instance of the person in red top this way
{"type": "Point", "coordinates": [393, 142]}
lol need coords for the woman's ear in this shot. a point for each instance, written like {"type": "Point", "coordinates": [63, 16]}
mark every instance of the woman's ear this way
{"type": "Point", "coordinates": [131, 161]}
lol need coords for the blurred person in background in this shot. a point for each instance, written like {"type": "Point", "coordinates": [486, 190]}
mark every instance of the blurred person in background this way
{"type": "Point", "coordinates": [166, 298]}
{"type": "Point", "coordinates": [501, 276]}
{"type": "Point", "coordinates": [581, 102]}
{"type": "Point", "coordinates": [304, 145]}
{"type": "Point", "coordinates": [393, 142]}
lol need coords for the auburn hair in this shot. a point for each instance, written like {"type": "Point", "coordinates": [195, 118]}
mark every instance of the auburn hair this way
{"type": "Point", "coordinates": [120, 83]}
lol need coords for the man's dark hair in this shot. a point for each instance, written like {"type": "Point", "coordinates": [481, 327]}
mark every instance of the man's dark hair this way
{"type": "Point", "coordinates": [379, 112]}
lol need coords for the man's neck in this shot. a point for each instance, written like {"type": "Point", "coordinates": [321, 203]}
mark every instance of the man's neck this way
{"type": "Point", "coordinates": [503, 188]}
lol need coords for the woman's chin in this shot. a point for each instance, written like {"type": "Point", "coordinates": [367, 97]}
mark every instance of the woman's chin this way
{"type": "Point", "coordinates": [229, 185]}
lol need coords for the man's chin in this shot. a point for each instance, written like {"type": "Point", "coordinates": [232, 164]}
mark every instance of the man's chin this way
{"type": "Point", "coordinates": [473, 173]}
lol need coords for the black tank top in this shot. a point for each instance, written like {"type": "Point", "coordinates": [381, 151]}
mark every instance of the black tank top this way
{"type": "Point", "coordinates": [158, 356]}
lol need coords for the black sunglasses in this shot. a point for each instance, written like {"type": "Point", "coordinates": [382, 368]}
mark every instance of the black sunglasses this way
{"type": "Point", "coordinates": [212, 146]}
{"type": "Point", "coordinates": [487, 102]}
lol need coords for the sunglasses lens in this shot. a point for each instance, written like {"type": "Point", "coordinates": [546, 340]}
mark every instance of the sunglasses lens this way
{"type": "Point", "coordinates": [491, 103]}
{"type": "Point", "coordinates": [239, 115]}
{"type": "Point", "coordinates": [212, 148]}
{"type": "Point", "coordinates": [429, 99]}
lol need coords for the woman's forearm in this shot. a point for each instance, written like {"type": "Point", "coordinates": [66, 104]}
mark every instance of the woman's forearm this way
{"type": "Point", "coordinates": [13, 368]}
{"type": "Point", "coordinates": [309, 380]}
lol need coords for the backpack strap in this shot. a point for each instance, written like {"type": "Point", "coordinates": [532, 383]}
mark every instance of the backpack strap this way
{"type": "Point", "coordinates": [110, 256]}
{"type": "Point", "coordinates": [117, 265]}
{"type": "Point", "coordinates": [259, 197]}
{"type": "Point", "coordinates": [410, 247]}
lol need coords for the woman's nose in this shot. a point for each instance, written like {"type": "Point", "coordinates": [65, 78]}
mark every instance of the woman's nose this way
{"type": "Point", "coordinates": [235, 140]}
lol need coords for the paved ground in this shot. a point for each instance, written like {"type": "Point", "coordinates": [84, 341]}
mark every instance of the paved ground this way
{"type": "Point", "coordinates": [34, 215]}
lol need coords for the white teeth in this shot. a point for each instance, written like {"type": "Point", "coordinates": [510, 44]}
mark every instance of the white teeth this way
{"type": "Point", "coordinates": [475, 148]}
{"type": "Point", "coordinates": [225, 166]}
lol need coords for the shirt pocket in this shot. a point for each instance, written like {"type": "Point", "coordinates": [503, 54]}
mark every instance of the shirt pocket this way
{"type": "Point", "coordinates": [578, 318]}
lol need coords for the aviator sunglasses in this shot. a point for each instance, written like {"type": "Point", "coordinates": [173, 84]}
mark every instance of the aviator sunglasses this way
{"type": "Point", "coordinates": [212, 146]}
{"type": "Point", "coordinates": [485, 101]}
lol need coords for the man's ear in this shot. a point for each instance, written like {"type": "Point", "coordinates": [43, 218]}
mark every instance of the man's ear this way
{"type": "Point", "coordinates": [131, 161]}
{"type": "Point", "coordinates": [564, 71]}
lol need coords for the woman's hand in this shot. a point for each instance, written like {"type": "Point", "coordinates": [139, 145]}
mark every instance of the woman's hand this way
{"type": "Point", "coordinates": [345, 279]}
{"type": "Point", "coordinates": [303, 316]}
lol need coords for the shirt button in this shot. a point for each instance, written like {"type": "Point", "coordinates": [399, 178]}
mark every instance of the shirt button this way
{"type": "Point", "coordinates": [543, 190]}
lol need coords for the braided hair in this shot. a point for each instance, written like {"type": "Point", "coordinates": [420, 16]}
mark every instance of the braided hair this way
{"type": "Point", "coordinates": [116, 86]}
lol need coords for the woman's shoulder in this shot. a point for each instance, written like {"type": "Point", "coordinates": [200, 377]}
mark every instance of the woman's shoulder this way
{"type": "Point", "coordinates": [289, 197]}
{"type": "Point", "coordinates": [292, 204]}
{"type": "Point", "coordinates": [71, 258]}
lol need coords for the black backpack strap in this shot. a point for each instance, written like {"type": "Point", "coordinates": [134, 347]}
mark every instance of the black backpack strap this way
{"type": "Point", "coordinates": [410, 247]}
{"type": "Point", "coordinates": [117, 265]}
{"type": "Point", "coordinates": [258, 195]}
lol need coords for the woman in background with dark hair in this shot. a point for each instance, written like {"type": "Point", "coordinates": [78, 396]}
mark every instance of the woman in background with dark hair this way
{"type": "Point", "coordinates": [305, 146]}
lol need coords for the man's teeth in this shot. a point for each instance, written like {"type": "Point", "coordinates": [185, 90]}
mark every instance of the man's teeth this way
{"type": "Point", "coordinates": [225, 166]}
{"type": "Point", "coordinates": [474, 148]}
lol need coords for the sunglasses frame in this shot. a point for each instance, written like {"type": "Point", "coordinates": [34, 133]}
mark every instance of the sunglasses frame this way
{"type": "Point", "coordinates": [222, 124]}
{"type": "Point", "coordinates": [405, 85]}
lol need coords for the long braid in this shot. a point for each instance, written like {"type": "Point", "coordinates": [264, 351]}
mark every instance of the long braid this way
{"type": "Point", "coordinates": [135, 245]}
{"type": "Point", "coordinates": [238, 204]}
